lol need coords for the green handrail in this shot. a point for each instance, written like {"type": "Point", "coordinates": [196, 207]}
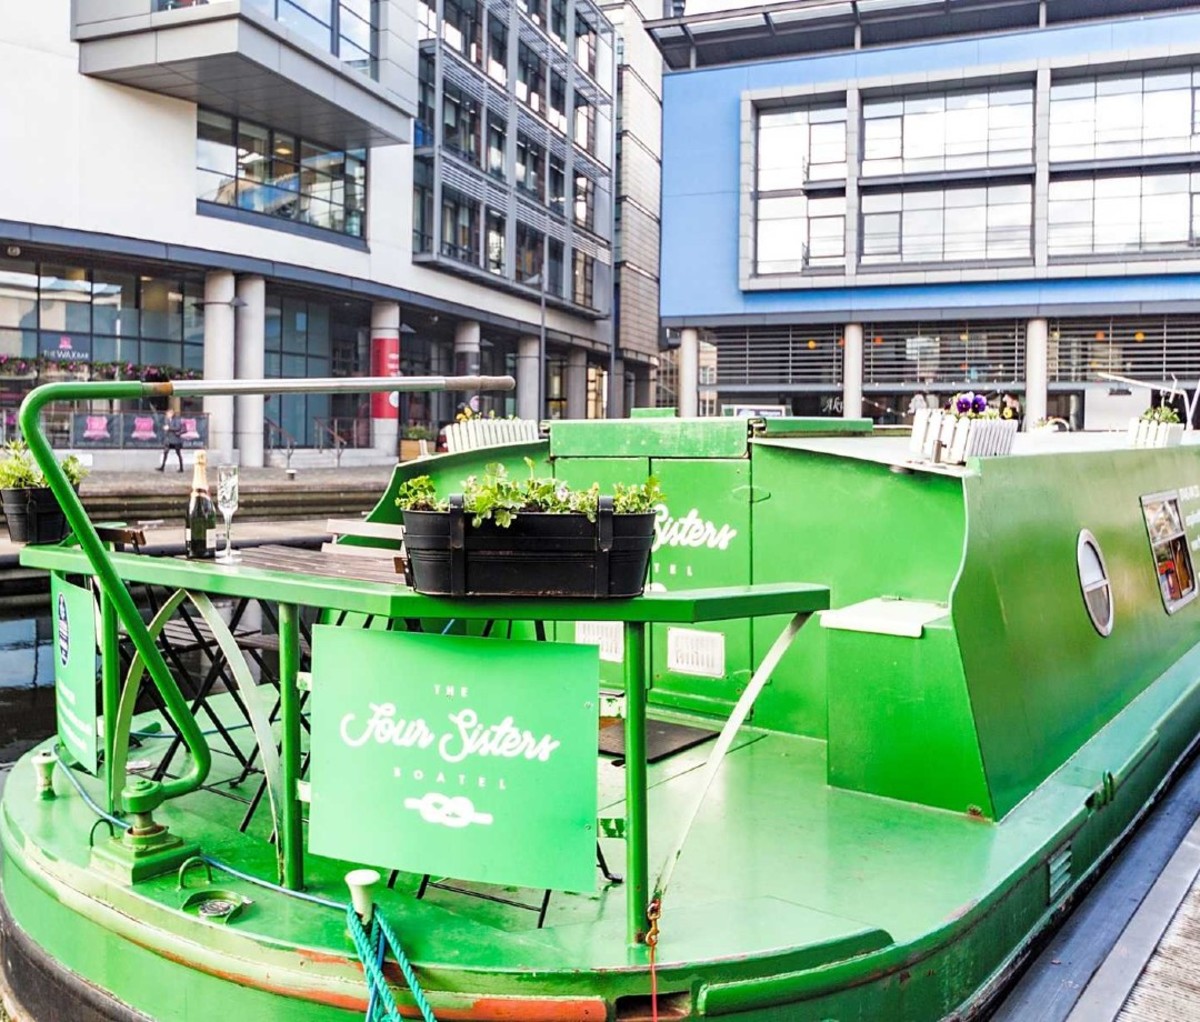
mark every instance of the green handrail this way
{"type": "Point", "coordinates": [113, 588]}
{"type": "Point", "coordinates": [93, 547]}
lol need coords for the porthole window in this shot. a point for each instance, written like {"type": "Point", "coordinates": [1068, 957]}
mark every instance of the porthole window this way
{"type": "Point", "coordinates": [1093, 580]}
{"type": "Point", "coordinates": [1172, 552]}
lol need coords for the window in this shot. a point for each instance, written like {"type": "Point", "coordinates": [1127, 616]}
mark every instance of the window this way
{"type": "Point", "coordinates": [497, 141]}
{"type": "Point", "coordinates": [585, 124]}
{"type": "Point", "coordinates": [461, 27]}
{"type": "Point", "coordinates": [529, 253]}
{"type": "Point", "coordinates": [556, 197]}
{"type": "Point", "coordinates": [426, 102]}
{"type": "Point", "coordinates": [1123, 213]}
{"type": "Point", "coordinates": [798, 146]}
{"type": "Point", "coordinates": [557, 109]}
{"type": "Point", "coordinates": [796, 232]}
{"type": "Point", "coordinates": [251, 167]}
{"type": "Point", "coordinates": [495, 242]}
{"type": "Point", "coordinates": [422, 205]}
{"type": "Point", "coordinates": [558, 20]}
{"type": "Point", "coordinates": [554, 269]}
{"type": "Point", "coordinates": [531, 78]}
{"type": "Point", "coordinates": [497, 50]}
{"type": "Point", "coordinates": [1124, 115]}
{"type": "Point", "coordinates": [584, 283]}
{"type": "Point", "coordinates": [530, 158]}
{"type": "Point", "coordinates": [460, 227]}
{"type": "Point", "coordinates": [585, 44]}
{"type": "Point", "coordinates": [1093, 580]}
{"type": "Point", "coordinates": [947, 225]}
{"type": "Point", "coordinates": [426, 19]}
{"type": "Point", "coordinates": [928, 133]}
{"type": "Point", "coordinates": [1172, 555]}
{"type": "Point", "coordinates": [585, 201]}
{"type": "Point", "coordinates": [460, 122]}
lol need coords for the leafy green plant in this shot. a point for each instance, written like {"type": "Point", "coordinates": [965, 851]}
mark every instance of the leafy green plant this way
{"type": "Point", "coordinates": [18, 470]}
{"type": "Point", "coordinates": [417, 433]}
{"type": "Point", "coordinates": [497, 497]}
{"type": "Point", "coordinates": [1161, 413]}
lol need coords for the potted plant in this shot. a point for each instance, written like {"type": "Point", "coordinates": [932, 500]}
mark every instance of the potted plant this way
{"type": "Point", "coordinates": [967, 428]}
{"type": "Point", "coordinates": [531, 537]}
{"type": "Point", "coordinates": [31, 511]}
{"type": "Point", "coordinates": [410, 441]}
{"type": "Point", "coordinates": [1158, 426]}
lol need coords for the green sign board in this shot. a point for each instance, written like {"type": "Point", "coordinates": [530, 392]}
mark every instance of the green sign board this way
{"type": "Point", "coordinates": [463, 757]}
{"type": "Point", "coordinates": [75, 670]}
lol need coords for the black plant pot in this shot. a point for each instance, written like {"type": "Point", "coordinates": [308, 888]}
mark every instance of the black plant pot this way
{"type": "Point", "coordinates": [33, 516]}
{"type": "Point", "coordinates": [537, 555]}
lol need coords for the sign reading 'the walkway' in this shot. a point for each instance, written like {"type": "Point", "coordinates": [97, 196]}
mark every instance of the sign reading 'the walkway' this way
{"type": "Point", "coordinates": [467, 758]}
{"type": "Point", "coordinates": [75, 670]}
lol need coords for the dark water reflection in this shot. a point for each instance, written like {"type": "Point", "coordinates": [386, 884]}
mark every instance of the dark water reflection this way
{"type": "Point", "coordinates": [26, 684]}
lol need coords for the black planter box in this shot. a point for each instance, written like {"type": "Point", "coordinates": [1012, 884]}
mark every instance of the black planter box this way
{"type": "Point", "coordinates": [33, 516]}
{"type": "Point", "coordinates": [537, 555]}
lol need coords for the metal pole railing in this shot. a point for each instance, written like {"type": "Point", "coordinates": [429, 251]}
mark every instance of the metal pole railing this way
{"type": "Point", "coordinates": [89, 541]}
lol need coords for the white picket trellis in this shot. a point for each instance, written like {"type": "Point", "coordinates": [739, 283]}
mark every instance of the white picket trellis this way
{"type": "Point", "coordinates": [476, 433]}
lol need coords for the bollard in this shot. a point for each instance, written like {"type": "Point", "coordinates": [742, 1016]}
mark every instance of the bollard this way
{"type": "Point", "coordinates": [43, 763]}
{"type": "Point", "coordinates": [360, 882]}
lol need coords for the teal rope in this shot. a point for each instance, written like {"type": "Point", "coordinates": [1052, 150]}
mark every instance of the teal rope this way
{"type": "Point", "coordinates": [410, 977]}
{"type": "Point", "coordinates": [382, 1005]}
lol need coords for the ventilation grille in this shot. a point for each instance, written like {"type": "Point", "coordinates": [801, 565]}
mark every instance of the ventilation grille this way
{"type": "Point", "coordinates": [1059, 876]}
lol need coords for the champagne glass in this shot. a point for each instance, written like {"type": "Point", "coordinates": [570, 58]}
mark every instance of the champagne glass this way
{"type": "Point", "coordinates": [227, 504]}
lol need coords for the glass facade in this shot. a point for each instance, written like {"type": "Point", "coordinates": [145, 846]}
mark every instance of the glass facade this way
{"type": "Point", "coordinates": [1121, 116]}
{"type": "Point", "coordinates": [344, 28]}
{"type": "Point", "coordinates": [522, 144]}
{"type": "Point", "coordinates": [927, 133]}
{"type": "Point", "coordinates": [252, 167]}
{"type": "Point", "coordinates": [1122, 213]}
{"type": "Point", "coordinates": [947, 224]}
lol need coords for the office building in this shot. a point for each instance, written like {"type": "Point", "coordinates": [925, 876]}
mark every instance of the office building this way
{"type": "Point", "coordinates": [330, 188]}
{"type": "Point", "coordinates": [868, 207]}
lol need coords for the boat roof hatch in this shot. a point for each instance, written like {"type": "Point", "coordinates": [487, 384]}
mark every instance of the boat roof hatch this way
{"type": "Point", "coordinates": [885, 615]}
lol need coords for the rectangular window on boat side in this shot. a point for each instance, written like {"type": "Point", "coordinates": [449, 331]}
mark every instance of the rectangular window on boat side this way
{"type": "Point", "coordinates": [1172, 554]}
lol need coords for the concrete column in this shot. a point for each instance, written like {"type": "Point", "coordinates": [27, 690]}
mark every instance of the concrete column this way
{"type": "Point", "coordinates": [852, 371]}
{"type": "Point", "coordinates": [688, 398]}
{"type": "Point", "coordinates": [251, 360]}
{"type": "Point", "coordinates": [385, 361]}
{"type": "Point", "coordinates": [219, 291]}
{"type": "Point", "coordinates": [466, 359]}
{"type": "Point", "coordinates": [577, 384]}
{"type": "Point", "coordinates": [645, 386]}
{"type": "Point", "coordinates": [527, 378]}
{"type": "Point", "coordinates": [1037, 370]}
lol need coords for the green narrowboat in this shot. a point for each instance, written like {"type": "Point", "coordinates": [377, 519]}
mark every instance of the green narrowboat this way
{"type": "Point", "coordinates": [880, 717]}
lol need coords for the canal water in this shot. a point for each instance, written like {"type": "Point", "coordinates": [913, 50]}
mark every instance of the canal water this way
{"type": "Point", "coordinates": [26, 683]}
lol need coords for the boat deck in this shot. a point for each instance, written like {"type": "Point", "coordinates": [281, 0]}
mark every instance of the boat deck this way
{"type": "Point", "coordinates": [779, 866]}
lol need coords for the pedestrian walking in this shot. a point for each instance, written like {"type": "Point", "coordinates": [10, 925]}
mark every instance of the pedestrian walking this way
{"type": "Point", "coordinates": [172, 439]}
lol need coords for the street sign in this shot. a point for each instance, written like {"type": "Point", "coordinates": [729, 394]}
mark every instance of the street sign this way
{"type": "Point", "coordinates": [462, 757]}
{"type": "Point", "coordinates": [75, 670]}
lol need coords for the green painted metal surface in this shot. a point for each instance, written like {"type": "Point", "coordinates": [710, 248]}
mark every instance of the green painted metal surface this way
{"type": "Point", "coordinates": [1048, 681]}
{"type": "Point", "coordinates": [811, 425]}
{"type": "Point", "coordinates": [865, 531]}
{"type": "Point", "coordinates": [900, 722]}
{"type": "Point", "coordinates": [491, 771]}
{"type": "Point", "coordinates": [648, 438]}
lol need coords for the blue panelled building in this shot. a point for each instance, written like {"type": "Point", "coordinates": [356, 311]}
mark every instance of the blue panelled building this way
{"type": "Point", "coordinates": [867, 206]}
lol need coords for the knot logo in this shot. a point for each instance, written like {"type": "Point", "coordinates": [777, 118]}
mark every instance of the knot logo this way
{"type": "Point", "coordinates": [455, 811]}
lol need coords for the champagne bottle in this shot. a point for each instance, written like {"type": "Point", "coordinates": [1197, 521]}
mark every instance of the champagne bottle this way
{"type": "Point", "coordinates": [200, 519]}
